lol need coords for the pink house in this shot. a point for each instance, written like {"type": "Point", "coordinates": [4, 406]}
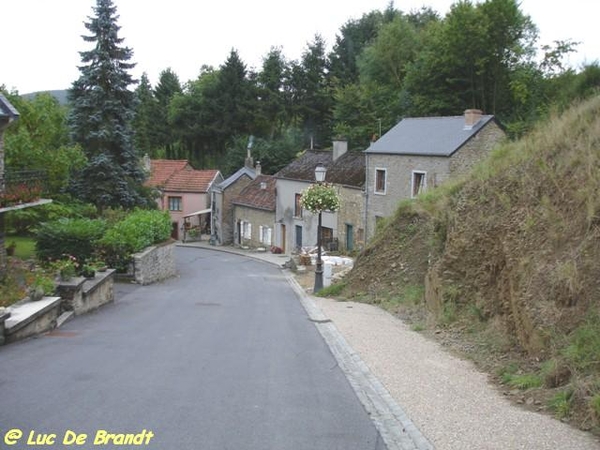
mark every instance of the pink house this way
{"type": "Point", "coordinates": [184, 192]}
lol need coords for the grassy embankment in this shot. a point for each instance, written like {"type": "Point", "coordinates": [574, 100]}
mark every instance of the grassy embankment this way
{"type": "Point", "coordinates": [504, 266]}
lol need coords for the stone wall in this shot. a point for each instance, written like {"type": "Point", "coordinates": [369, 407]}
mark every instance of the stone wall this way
{"type": "Point", "coordinates": [82, 295]}
{"type": "Point", "coordinates": [154, 264]}
{"type": "Point", "coordinates": [476, 149]}
{"type": "Point", "coordinates": [258, 218]}
{"type": "Point", "coordinates": [399, 172]}
{"type": "Point", "coordinates": [399, 169]}
{"type": "Point", "coordinates": [227, 220]}
{"type": "Point", "coordinates": [31, 318]}
{"type": "Point", "coordinates": [352, 212]}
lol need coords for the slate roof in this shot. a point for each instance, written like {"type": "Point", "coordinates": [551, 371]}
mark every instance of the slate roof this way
{"type": "Point", "coordinates": [7, 111]}
{"type": "Point", "coordinates": [347, 170]}
{"type": "Point", "coordinates": [251, 173]}
{"type": "Point", "coordinates": [254, 196]}
{"type": "Point", "coordinates": [179, 176]}
{"type": "Point", "coordinates": [428, 136]}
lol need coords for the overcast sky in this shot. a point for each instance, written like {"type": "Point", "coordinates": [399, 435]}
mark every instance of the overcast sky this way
{"type": "Point", "coordinates": [42, 38]}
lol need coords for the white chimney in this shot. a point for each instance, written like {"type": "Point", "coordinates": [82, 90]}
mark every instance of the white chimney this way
{"type": "Point", "coordinates": [472, 116]}
{"type": "Point", "coordinates": [340, 146]}
{"type": "Point", "coordinates": [258, 168]}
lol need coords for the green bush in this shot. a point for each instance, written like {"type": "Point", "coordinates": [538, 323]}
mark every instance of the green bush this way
{"type": "Point", "coordinates": [74, 237]}
{"type": "Point", "coordinates": [137, 231]}
{"type": "Point", "coordinates": [24, 221]}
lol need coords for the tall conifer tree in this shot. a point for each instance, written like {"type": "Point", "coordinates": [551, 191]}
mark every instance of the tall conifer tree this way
{"type": "Point", "coordinates": [101, 115]}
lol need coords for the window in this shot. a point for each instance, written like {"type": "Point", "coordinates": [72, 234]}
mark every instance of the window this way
{"type": "Point", "coordinates": [298, 206]}
{"type": "Point", "coordinates": [175, 204]}
{"type": "Point", "coordinates": [264, 235]}
{"type": "Point", "coordinates": [246, 228]}
{"type": "Point", "coordinates": [380, 179]}
{"type": "Point", "coordinates": [419, 182]}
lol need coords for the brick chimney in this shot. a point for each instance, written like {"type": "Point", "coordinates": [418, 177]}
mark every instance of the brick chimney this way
{"type": "Point", "coordinates": [340, 146]}
{"type": "Point", "coordinates": [472, 116]}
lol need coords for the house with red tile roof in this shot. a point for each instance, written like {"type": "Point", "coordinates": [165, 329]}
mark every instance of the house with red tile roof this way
{"type": "Point", "coordinates": [254, 213]}
{"type": "Point", "coordinates": [184, 192]}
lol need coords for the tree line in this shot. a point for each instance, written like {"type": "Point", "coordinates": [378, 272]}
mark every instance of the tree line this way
{"type": "Point", "coordinates": [383, 66]}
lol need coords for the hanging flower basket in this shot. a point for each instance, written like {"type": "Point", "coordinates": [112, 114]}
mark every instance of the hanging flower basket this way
{"type": "Point", "coordinates": [320, 197]}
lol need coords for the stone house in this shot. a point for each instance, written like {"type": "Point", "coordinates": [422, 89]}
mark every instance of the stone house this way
{"type": "Point", "coordinates": [342, 230]}
{"type": "Point", "coordinates": [254, 213]}
{"type": "Point", "coordinates": [223, 195]}
{"type": "Point", "coordinates": [421, 153]}
{"type": "Point", "coordinates": [185, 193]}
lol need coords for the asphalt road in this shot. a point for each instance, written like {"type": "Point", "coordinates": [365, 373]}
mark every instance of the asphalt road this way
{"type": "Point", "coordinates": [222, 357]}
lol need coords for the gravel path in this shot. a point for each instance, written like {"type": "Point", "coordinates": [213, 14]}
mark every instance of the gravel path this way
{"type": "Point", "coordinates": [449, 401]}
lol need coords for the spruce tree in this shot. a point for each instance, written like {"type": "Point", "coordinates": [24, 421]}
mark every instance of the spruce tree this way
{"type": "Point", "coordinates": [101, 115]}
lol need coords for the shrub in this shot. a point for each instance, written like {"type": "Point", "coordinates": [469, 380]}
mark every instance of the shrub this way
{"type": "Point", "coordinates": [76, 237]}
{"type": "Point", "coordinates": [137, 231]}
{"type": "Point", "coordinates": [23, 221]}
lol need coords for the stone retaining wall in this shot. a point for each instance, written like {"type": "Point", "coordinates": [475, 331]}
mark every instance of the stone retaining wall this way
{"type": "Point", "coordinates": [81, 295]}
{"type": "Point", "coordinates": [154, 264]}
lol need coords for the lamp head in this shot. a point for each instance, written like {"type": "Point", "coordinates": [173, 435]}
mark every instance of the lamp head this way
{"type": "Point", "coordinates": [320, 172]}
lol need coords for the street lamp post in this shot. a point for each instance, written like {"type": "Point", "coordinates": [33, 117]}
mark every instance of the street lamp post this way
{"type": "Point", "coordinates": [320, 172]}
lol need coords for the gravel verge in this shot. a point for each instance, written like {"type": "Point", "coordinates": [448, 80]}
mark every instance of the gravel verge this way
{"type": "Point", "coordinates": [447, 398]}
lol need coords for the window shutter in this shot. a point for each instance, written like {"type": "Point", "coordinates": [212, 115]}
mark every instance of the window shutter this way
{"type": "Point", "coordinates": [260, 234]}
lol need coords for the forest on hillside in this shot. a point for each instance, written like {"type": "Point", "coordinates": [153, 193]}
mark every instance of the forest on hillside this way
{"type": "Point", "coordinates": [382, 67]}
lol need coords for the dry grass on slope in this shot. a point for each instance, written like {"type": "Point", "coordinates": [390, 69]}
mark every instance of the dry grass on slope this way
{"type": "Point", "coordinates": [507, 263]}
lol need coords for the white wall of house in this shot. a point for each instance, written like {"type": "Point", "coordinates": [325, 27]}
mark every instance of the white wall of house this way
{"type": "Point", "coordinates": [284, 215]}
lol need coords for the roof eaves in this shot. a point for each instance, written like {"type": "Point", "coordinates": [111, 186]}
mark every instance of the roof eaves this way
{"type": "Point", "coordinates": [479, 128]}
{"type": "Point", "coordinates": [247, 205]}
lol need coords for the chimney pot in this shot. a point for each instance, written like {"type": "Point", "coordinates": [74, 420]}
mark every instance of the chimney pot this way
{"type": "Point", "coordinates": [258, 168]}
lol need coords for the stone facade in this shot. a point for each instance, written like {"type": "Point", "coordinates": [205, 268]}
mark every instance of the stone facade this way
{"type": "Point", "coordinates": [350, 219]}
{"type": "Point", "coordinates": [398, 180]}
{"type": "Point", "coordinates": [258, 218]}
{"type": "Point", "coordinates": [476, 149]}
{"type": "Point", "coordinates": [154, 264]}
{"type": "Point", "coordinates": [223, 210]}
{"type": "Point", "coordinates": [400, 172]}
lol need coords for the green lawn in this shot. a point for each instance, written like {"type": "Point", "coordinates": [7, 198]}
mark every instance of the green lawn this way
{"type": "Point", "coordinates": [25, 246]}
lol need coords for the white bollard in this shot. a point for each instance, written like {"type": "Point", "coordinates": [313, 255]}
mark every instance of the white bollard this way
{"type": "Point", "coordinates": [327, 274]}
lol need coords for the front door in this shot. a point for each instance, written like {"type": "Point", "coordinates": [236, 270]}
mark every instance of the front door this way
{"type": "Point", "coordinates": [175, 230]}
{"type": "Point", "coordinates": [283, 237]}
{"type": "Point", "coordinates": [298, 236]}
{"type": "Point", "coordinates": [349, 237]}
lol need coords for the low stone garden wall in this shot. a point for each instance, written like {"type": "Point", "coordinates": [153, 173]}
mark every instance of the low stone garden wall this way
{"type": "Point", "coordinates": [81, 295]}
{"type": "Point", "coordinates": [154, 264]}
{"type": "Point", "coordinates": [75, 296]}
